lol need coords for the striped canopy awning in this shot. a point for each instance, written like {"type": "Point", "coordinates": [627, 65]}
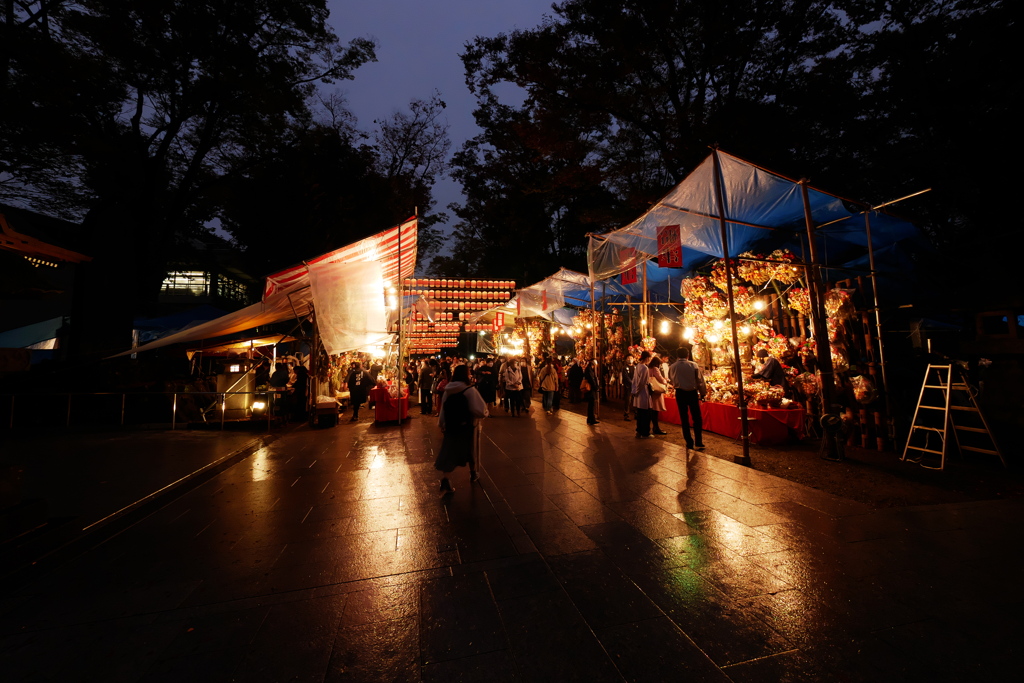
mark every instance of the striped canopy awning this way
{"type": "Point", "coordinates": [383, 247]}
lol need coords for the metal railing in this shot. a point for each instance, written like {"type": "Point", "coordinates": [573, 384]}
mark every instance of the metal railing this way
{"type": "Point", "coordinates": [55, 409]}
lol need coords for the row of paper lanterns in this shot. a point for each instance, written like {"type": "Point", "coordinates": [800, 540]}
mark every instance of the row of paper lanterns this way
{"type": "Point", "coordinates": [461, 284]}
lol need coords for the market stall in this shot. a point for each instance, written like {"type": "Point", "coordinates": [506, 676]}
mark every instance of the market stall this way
{"type": "Point", "coordinates": [751, 251]}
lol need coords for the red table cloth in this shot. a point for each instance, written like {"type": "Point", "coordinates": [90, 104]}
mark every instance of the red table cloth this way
{"type": "Point", "coordinates": [768, 426]}
{"type": "Point", "coordinates": [387, 408]}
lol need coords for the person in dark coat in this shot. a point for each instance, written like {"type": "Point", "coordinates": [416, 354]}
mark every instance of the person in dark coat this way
{"type": "Point", "coordinates": [427, 372]}
{"type": "Point", "coordinates": [461, 407]}
{"type": "Point", "coordinates": [590, 396]}
{"type": "Point", "coordinates": [359, 385]}
{"type": "Point", "coordinates": [771, 371]}
{"type": "Point", "coordinates": [487, 382]}
{"type": "Point", "coordinates": [575, 377]}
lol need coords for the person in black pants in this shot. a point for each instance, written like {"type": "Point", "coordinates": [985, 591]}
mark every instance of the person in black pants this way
{"type": "Point", "coordinates": [590, 376]}
{"type": "Point", "coordinates": [688, 380]}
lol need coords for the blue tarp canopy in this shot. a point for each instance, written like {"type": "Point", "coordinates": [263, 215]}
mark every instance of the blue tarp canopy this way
{"type": "Point", "coordinates": [764, 211]}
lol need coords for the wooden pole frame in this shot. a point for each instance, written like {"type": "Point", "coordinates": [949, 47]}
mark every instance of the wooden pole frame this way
{"type": "Point", "coordinates": [818, 319]}
{"type": "Point", "coordinates": [744, 459]}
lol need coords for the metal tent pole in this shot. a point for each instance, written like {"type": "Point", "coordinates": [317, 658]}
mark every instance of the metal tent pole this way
{"type": "Point", "coordinates": [720, 202]}
{"type": "Point", "coordinates": [878, 329]}
{"type": "Point", "coordinates": [823, 352]}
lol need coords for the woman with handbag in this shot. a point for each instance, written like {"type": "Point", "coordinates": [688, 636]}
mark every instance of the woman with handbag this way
{"type": "Point", "coordinates": [659, 386]}
{"type": "Point", "coordinates": [548, 379]}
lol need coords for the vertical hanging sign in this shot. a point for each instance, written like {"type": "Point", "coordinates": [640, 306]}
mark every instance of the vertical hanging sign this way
{"type": "Point", "coordinates": [499, 321]}
{"type": "Point", "coordinates": [627, 254]}
{"type": "Point", "coordinates": [670, 248]}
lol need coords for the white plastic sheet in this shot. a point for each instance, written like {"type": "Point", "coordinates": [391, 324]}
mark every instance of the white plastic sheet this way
{"type": "Point", "coordinates": [350, 305]}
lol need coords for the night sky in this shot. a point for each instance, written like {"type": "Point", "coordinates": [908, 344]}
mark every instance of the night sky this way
{"type": "Point", "coordinates": [418, 52]}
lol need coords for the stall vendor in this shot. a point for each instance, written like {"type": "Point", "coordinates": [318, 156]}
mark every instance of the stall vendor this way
{"type": "Point", "coordinates": [771, 371]}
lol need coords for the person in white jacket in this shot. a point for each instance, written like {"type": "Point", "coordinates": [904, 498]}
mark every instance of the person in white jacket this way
{"type": "Point", "coordinates": [642, 400]}
{"type": "Point", "coordinates": [461, 407]}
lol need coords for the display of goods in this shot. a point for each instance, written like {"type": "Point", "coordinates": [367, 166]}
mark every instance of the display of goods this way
{"type": "Point", "coordinates": [756, 272]}
{"type": "Point", "coordinates": [839, 303]}
{"type": "Point", "coordinates": [833, 326]}
{"type": "Point", "coordinates": [840, 362]}
{"type": "Point", "coordinates": [715, 306]}
{"type": "Point", "coordinates": [648, 343]}
{"type": "Point", "coordinates": [778, 346]}
{"type": "Point", "coordinates": [743, 300]}
{"type": "Point", "coordinates": [694, 288]}
{"type": "Point", "coordinates": [635, 351]}
{"type": "Point", "coordinates": [807, 351]}
{"type": "Point", "coordinates": [864, 391]}
{"type": "Point", "coordinates": [762, 331]}
{"type": "Point", "coordinates": [806, 385]}
{"type": "Point", "coordinates": [718, 274]}
{"type": "Point", "coordinates": [799, 299]}
{"type": "Point", "coordinates": [785, 273]}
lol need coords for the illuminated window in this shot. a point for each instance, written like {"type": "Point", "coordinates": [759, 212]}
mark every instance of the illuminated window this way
{"type": "Point", "coordinates": [192, 282]}
{"type": "Point", "coordinates": [38, 262]}
{"type": "Point", "coordinates": [231, 289]}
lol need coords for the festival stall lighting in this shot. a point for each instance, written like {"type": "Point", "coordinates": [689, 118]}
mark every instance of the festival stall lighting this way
{"type": "Point", "coordinates": [665, 327]}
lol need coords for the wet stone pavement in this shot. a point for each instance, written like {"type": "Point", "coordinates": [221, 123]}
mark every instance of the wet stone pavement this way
{"type": "Point", "coordinates": [582, 555]}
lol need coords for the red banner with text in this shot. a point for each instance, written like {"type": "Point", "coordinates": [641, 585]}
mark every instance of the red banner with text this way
{"type": "Point", "coordinates": [628, 254]}
{"type": "Point", "coordinates": [670, 248]}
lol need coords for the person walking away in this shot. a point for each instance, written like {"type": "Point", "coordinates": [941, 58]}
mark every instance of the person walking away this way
{"type": "Point", "coordinates": [526, 393]}
{"type": "Point", "coordinates": [589, 391]}
{"type": "Point", "coordinates": [688, 380]}
{"type": "Point", "coordinates": [359, 385]}
{"type": "Point", "coordinates": [575, 377]}
{"type": "Point", "coordinates": [659, 386]}
{"type": "Point", "coordinates": [512, 380]}
{"type": "Point", "coordinates": [461, 407]}
{"type": "Point", "coordinates": [441, 379]}
{"type": "Point", "coordinates": [300, 394]}
{"type": "Point", "coordinates": [627, 383]}
{"type": "Point", "coordinates": [548, 380]}
{"type": "Point", "coordinates": [641, 392]}
{"type": "Point", "coordinates": [427, 371]}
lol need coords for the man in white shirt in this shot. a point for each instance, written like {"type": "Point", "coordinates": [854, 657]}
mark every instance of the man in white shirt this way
{"type": "Point", "coordinates": [688, 380]}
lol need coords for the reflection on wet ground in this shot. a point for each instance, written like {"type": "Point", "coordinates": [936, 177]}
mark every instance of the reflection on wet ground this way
{"type": "Point", "coordinates": [582, 554]}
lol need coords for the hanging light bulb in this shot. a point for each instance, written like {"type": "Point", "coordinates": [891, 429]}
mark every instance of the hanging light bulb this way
{"type": "Point", "coordinates": [718, 324]}
{"type": "Point", "coordinates": [689, 332]}
{"type": "Point", "coordinates": [758, 304]}
{"type": "Point", "coordinates": [714, 338]}
{"type": "Point", "coordinates": [745, 330]}
{"type": "Point", "coordinates": [664, 327]}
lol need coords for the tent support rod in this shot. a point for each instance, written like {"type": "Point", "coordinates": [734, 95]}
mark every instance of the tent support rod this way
{"type": "Point", "coordinates": [744, 427]}
{"type": "Point", "coordinates": [824, 353]}
{"type": "Point", "coordinates": [707, 215]}
{"type": "Point", "coordinates": [878, 327]}
{"type": "Point", "coordinates": [597, 365]}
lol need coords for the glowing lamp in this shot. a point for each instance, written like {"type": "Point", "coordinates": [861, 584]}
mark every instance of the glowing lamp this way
{"type": "Point", "coordinates": [714, 338]}
{"type": "Point", "coordinates": [758, 305]}
{"type": "Point", "coordinates": [234, 368]}
{"type": "Point", "coordinates": [664, 326]}
{"type": "Point", "coordinates": [258, 405]}
{"type": "Point", "coordinates": [689, 332]}
{"type": "Point", "coordinates": [718, 324]}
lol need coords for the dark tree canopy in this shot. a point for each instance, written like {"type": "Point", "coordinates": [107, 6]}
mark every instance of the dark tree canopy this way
{"type": "Point", "coordinates": [153, 118]}
{"type": "Point", "coordinates": [875, 99]}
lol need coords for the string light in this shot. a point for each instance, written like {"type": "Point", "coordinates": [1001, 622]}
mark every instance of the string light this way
{"type": "Point", "coordinates": [718, 324]}
{"type": "Point", "coordinates": [758, 305]}
{"type": "Point", "coordinates": [664, 327]}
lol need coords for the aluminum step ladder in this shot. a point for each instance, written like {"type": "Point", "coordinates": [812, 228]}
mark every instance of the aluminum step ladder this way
{"type": "Point", "coordinates": [947, 404]}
